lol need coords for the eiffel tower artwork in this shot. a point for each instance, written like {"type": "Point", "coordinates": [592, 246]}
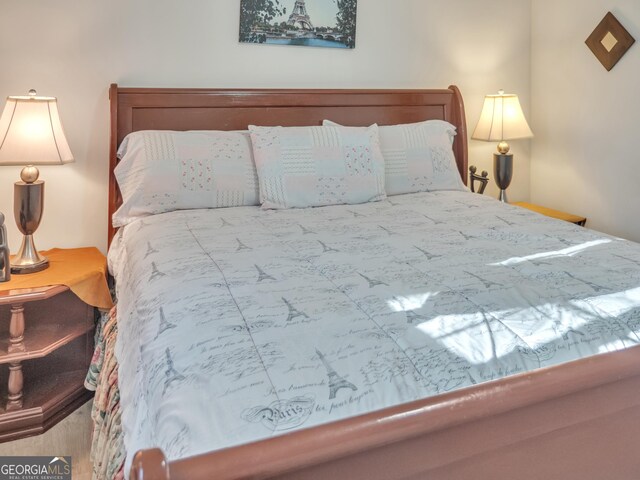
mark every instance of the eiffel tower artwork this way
{"type": "Point", "coordinates": [289, 22]}
{"type": "Point", "coordinates": [430, 256]}
{"type": "Point", "coordinates": [511, 224]}
{"type": "Point", "coordinates": [155, 273]}
{"type": "Point", "coordinates": [389, 232]}
{"type": "Point", "coordinates": [466, 237]}
{"type": "Point", "coordinates": [373, 283]}
{"type": "Point", "coordinates": [299, 16]}
{"type": "Point", "coordinates": [150, 250]}
{"type": "Point", "coordinates": [596, 288]}
{"type": "Point", "coordinates": [164, 324]}
{"type": "Point", "coordinates": [487, 283]}
{"type": "Point", "coordinates": [306, 231]}
{"type": "Point", "coordinates": [336, 382]}
{"type": "Point", "coordinates": [326, 249]}
{"type": "Point", "coordinates": [171, 374]}
{"type": "Point", "coordinates": [434, 220]}
{"type": "Point", "coordinates": [242, 246]}
{"type": "Point", "coordinates": [262, 275]}
{"type": "Point", "coordinates": [413, 317]}
{"type": "Point", "coordinates": [293, 312]}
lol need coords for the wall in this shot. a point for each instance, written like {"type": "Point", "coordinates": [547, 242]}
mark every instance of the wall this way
{"type": "Point", "coordinates": [586, 120]}
{"type": "Point", "coordinates": [74, 49]}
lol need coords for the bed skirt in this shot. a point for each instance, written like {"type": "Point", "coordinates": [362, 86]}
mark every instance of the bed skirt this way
{"type": "Point", "coordinates": [107, 446]}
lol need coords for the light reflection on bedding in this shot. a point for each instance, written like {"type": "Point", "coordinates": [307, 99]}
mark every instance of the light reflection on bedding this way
{"type": "Point", "coordinates": [566, 252]}
{"type": "Point", "coordinates": [413, 302]}
{"type": "Point", "coordinates": [240, 324]}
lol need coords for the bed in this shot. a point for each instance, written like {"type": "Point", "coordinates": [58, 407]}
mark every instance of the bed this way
{"type": "Point", "coordinates": [499, 385]}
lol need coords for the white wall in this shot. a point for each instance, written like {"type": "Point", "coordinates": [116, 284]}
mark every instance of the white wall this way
{"type": "Point", "coordinates": [586, 120]}
{"type": "Point", "coordinates": [74, 49]}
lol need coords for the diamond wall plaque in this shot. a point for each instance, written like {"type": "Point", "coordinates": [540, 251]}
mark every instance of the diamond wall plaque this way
{"type": "Point", "coordinates": [610, 41]}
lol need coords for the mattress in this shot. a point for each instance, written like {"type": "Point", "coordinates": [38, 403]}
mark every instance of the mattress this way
{"type": "Point", "coordinates": [240, 324]}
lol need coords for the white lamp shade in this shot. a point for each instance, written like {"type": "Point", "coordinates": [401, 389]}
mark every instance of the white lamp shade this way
{"type": "Point", "coordinates": [31, 133]}
{"type": "Point", "coordinates": [501, 119]}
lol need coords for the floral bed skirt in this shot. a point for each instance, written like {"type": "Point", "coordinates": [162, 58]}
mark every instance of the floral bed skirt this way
{"type": "Point", "coordinates": [107, 448]}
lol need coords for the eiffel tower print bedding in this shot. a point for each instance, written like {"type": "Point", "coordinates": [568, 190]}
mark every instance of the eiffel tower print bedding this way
{"type": "Point", "coordinates": [238, 324]}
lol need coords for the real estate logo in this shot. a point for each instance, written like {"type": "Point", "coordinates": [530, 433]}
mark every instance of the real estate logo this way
{"type": "Point", "coordinates": [35, 468]}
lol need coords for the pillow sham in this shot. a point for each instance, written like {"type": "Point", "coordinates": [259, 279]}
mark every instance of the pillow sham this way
{"type": "Point", "coordinates": [418, 157]}
{"type": "Point", "coordinates": [316, 166]}
{"type": "Point", "coordinates": [162, 171]}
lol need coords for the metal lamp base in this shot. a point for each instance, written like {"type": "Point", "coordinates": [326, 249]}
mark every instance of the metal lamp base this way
{"type": "Point", "coordinates": [503, 172]}
{"type": "Point", "coordinates": [25, 269]}
{"type": "Point", "coordinates": [28, 204]}
{"type": "Point", "coordinates": [28, 260]}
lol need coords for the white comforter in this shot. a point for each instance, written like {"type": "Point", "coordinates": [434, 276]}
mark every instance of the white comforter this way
{"type": "Point", "coordinates": [239, 324]}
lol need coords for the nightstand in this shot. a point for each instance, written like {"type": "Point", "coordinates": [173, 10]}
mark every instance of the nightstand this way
{"type": "Point", "coordinates": [46, 340]}
{"type": "Point", "coordinates": [549, 212]}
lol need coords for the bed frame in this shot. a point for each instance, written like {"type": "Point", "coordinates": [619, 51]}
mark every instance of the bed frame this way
{"type": "Point", "coordinates": [579, 420]}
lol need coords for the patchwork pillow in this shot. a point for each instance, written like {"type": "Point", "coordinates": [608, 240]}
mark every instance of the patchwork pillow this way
{"type": "Point", "coordinates": [315, 166]}
{"type": "Point", "coordinates": [162, 171]}
{"type": "Point", "coordinates": [418, 157]}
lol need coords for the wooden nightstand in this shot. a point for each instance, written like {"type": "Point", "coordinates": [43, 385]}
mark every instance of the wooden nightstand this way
{"type": "Point", "coordinates": [46, 340]}
{"type": "Point", "coordinates": [567, 217]}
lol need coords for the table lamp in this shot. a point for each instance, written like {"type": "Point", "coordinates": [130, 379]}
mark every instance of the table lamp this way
{"type": "Point", "coordinates": [502, 119]}
{"type": "Point", "coordinates": [31, 134]}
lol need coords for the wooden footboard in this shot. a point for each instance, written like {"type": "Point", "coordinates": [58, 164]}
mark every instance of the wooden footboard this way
{"type": "Point", "coordinates": [578, 420]}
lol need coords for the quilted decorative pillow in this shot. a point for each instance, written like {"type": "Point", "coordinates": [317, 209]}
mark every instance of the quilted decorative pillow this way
{"type": "Point", "coordinates": [162, 171]}
{"type": "Point", "coordinates": [315, 166]}
{"type": "Point", "coordinates": [418, 157]}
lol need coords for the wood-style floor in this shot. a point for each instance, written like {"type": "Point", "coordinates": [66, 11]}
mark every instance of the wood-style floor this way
{"type": "Point", "coordinates": [72, 437]}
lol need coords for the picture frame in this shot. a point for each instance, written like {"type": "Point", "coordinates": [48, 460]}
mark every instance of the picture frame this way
{"type": "Point", "coordinates": [309, 23]}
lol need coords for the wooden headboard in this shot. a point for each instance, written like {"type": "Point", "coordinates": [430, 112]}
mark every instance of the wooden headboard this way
{"type": "Point", "coordinates": [134, 109]}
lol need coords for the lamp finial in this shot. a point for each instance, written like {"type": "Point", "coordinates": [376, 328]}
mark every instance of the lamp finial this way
{"type": "Point", "coordinates": [29, 174]}
{"type": "Point", "coordinates": [503, 148]}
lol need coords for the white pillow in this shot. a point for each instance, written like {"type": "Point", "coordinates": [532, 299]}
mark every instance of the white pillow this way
{"type": "Point", "coordinates": [418, 157]}
{"type": "Point", "coordinates": [314, 166]}
{"type": "Point", "coordinates": [162, 171]}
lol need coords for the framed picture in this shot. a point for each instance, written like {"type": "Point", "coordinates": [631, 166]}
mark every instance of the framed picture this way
{"type": "Point", "coordinates": [307, 23]}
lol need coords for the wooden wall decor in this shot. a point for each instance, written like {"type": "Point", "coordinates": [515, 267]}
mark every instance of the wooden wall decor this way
{"type": "Point", "coordinates": [610, 41]}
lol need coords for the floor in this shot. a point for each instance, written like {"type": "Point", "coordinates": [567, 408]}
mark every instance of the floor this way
{"type": "Point", "coordinates": [72, 437]}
